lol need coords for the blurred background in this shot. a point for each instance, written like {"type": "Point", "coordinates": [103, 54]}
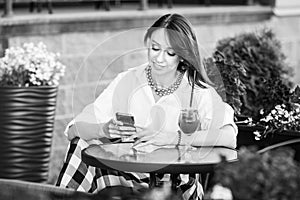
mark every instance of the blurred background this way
{"type": "Point", "coordinates": [88, 36]}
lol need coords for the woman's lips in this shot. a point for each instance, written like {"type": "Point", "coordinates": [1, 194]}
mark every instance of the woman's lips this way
{"type": "Point", "coordinates": [157, 66]}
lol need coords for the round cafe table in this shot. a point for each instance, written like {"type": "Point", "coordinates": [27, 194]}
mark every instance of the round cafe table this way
{"type": "Point", "coordinates": [168, 160]}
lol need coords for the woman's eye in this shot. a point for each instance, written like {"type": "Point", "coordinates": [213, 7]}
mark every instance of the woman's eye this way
{"type": "Point", "coordinates": [155, 48]}
{"type": "Point", "coordinates": [171, 53]}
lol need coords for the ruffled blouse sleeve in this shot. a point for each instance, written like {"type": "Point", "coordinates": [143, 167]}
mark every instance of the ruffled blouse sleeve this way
{"type": "Point", "coordinates": [214, 112]}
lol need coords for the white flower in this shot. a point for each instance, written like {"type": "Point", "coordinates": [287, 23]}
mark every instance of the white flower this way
{"type": "Point", "coordinates": [278, 107]}
{"type": "Point", "coordinates": [261, 111]}
{"type": "Point", "coordinates": [267, 118]}
{"type": "Point", "coordinates": [219, 192]}
{"type": "Point", "coordinates": [257, 135]}
{"type": "Point", "coordinates": [30, 64]}
{"type": "Point", "coordinates": [286, 114]}
{"type": "Point", "coordinates": [280, 112]}
{"type": "Point", "coordinates": [160, 193]}
{"type": "Point", "coordinates": [282, 118]}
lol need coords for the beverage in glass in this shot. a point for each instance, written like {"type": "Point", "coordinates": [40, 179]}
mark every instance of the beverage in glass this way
{"type": "Point", "coordinates": [189, 121]}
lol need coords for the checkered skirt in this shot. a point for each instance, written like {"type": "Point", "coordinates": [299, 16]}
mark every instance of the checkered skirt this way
{"type": "Point", "coordinates": [82, 177]}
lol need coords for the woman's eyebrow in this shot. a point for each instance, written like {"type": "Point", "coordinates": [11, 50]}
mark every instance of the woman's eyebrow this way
{"type": "Point", "coordinates": [155, 42]}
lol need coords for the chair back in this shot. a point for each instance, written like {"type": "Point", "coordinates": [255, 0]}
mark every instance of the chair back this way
{"type": "Point", "coordinates": [293, 144]}
{"type": "Point", "coordinates": [24, 190]}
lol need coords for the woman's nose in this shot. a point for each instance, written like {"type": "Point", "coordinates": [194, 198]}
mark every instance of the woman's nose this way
{"type": "Point", "coordinates": [161, 56]}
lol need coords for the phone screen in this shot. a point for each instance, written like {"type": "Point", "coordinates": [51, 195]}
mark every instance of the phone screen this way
{"type": "Point", "coordinates": [126, 118]}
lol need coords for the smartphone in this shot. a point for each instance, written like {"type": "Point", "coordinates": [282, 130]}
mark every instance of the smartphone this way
{"type": "Point", "coordinates": [126, 118]}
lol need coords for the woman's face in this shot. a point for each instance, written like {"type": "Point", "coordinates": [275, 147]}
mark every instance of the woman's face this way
{"type": "Point", "coordinates": [162, 57]}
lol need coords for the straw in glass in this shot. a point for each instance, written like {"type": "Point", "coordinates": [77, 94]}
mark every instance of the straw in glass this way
{"type": "Point", "coordinates": [193, 86]}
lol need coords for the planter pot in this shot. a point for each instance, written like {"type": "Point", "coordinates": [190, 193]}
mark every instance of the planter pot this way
{"type": "Point", "coordinates": [26, 127]}
{"type": "Point", "coordinates": [246, 136]}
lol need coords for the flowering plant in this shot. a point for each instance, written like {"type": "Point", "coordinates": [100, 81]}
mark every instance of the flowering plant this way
{"type": "Point", "coordinates": [30, 65]}
{"type": "Point", "coordinates": [284, 116]}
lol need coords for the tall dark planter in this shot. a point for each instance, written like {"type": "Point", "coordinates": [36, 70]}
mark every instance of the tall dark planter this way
{"type": "Point", "coordinates": [246, 137]}
{"type": "Point", "coordinates": [26, 127]}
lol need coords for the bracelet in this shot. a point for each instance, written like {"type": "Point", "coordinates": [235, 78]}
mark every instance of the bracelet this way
{"type": "Point", "coordinates": [179, 138]}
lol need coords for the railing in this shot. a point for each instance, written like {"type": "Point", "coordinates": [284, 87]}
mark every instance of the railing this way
{"type": "Point", "coordinates": [8, 7]}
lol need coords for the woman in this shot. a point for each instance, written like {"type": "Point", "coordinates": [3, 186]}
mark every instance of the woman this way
{"type": "Point", "coordinates": [154, 94]}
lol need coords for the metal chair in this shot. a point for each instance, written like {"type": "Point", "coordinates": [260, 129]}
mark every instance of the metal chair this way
{"type": "Point", "coordinates": [105, 3]}
{"type": "Point", "coordinates": [294, 144]}
{"type": "Point", "coordinates": [169, 3]}
{"type": "Point", "coordinates": [19, 190]}
{"type": "Point", "coordinates": [37, 4]}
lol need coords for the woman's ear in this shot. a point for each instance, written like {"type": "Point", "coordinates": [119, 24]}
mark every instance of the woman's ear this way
{"type": "Point", "coordinates": [183, 64]}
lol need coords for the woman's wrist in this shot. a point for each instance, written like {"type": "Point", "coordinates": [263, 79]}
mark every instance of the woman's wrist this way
{"type": "Point", "coordinates": [88, 131]}
{"type": "Point", "coordinates": [179, 140]}
{"type": "Point", "coordinates": [102, 130]}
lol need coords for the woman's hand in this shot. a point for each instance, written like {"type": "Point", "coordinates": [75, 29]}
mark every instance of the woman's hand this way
{"type": "Point", "coordinates": [116, 129]}
{"type": "Point", "coordinates": [149, 136]}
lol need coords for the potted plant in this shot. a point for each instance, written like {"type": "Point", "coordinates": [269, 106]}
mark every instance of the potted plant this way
{"type": "Point", "coordinates": [272, 175]}
{"type": "Point", "coordinates": [266, 79]}
{"type": "Point", "coordinates": [261, 55]}
{"type": "Point", "coordinates": [225, 74]}
{"type": "Point", "coordinates": [283, 121]}
{"type": "Point", "coordinates": [29, 77]}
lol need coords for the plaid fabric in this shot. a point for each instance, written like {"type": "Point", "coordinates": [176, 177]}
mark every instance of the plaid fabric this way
{"type": "Point", "coordinates": [79, 176]}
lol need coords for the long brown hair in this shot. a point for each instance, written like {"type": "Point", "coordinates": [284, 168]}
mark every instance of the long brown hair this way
{"type": "Point", "coordinates": [184, 42]}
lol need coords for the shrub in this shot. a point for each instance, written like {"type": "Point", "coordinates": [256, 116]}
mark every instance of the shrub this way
{"type": "Point", "coordinates": [267, 74]}
{"type": "Point", "coordinates": [225, 74]}
{"type": "Point", "coordinates": [272, 175]}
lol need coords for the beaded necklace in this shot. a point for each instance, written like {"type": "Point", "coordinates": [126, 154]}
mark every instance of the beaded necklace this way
{"type": "Point", "coordinates": [160, 91]}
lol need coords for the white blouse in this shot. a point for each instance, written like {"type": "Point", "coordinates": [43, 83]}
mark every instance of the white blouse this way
{"type": "Point", "coordinates": [129, 92]}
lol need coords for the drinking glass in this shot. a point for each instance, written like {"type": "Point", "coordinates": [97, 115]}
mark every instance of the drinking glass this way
{"type": "Point", "coordinates": [189, 122]}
